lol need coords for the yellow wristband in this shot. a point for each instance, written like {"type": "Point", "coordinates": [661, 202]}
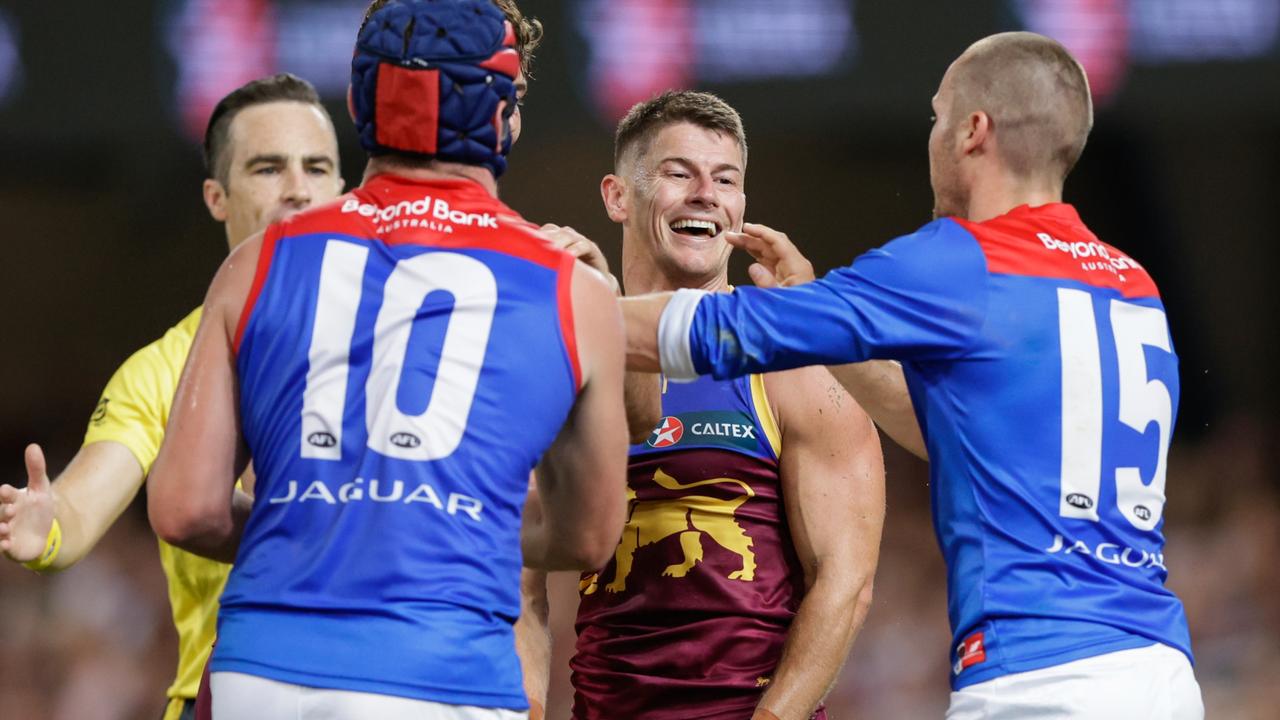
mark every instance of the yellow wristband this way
{"type": "Point", "coordinates": [52, 545]}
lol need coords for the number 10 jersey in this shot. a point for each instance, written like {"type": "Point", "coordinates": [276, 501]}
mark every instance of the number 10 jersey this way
{"type": "Point", "coordinates": [405, 356]}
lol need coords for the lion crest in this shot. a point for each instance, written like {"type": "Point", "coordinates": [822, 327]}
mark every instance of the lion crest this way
{"type": "Point", "coordinates": [690, 517]}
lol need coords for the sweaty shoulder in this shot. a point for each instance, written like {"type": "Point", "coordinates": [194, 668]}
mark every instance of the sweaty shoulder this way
{"type": "Point", "coordinates": [134, 406]}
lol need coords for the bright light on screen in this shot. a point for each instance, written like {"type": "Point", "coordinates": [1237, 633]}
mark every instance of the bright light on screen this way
{"type": "Point", "coordinates": [637, 48]}
{"type": "Point", "coordinates": [10, 58]}
{"type": "Point", "coordinates": [1110, 36]}
{"type": "Point", "coordinates": [218, 45]}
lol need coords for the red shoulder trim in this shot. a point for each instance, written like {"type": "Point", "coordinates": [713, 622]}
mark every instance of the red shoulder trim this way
{"type": "Point", "coordinates": [564, 297]}
{"type": "Point", "coordinates": [1015, 246]}
{"type": "Point", "coordinates": [265, 254]}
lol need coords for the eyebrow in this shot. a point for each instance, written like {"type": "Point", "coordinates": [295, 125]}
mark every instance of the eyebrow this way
{"type": "Point", "coordinates": [722, 167]}
{"type": "Point", "coordinates": [278, 159]}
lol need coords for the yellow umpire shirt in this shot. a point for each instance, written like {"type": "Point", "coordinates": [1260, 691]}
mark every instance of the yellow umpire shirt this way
{"type": "Point", "coordinates": [133, 411]}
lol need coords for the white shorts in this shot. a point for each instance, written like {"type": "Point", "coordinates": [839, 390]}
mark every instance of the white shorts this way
{"type": "Point", "coordinates": [237, 696]}
{"type": "Point", "coordinates": [1149, 683]}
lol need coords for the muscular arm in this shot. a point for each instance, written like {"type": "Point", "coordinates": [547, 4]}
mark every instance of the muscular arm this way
{"type": "Point", "coordinates": [190, 493]}
{"type": "Point", "coordinates": [582, 476]}
{"type": "Point", "coordinates": [86, 499]}
{"type": "Point", "coordinates": [832, 474]}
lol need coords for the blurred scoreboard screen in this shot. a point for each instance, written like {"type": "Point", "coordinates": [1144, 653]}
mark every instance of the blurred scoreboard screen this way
{"type": "Point", "coordinates": [623, 51]}
{"type": "Point", "coordinates": [10, 57]}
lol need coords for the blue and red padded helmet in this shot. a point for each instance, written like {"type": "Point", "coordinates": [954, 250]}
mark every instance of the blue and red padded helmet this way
{"type": "Point", "coordinates": [436, 78]}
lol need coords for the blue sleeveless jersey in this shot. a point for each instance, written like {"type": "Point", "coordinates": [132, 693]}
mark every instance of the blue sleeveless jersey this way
{"type": "Point", "coordinates": [405, 357]}
{"type": "Point", "coordinates": [1044, 379]}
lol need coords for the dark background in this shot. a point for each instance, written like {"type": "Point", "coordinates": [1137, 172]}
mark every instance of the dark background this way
{"type": "Point", "coordinates": [107, 244]}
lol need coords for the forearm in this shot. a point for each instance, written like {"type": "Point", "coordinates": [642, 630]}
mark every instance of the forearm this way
{"type": "Point", "coordinates": [641, 315]}
{"type": "Point", "coordinates": [90, 494]}
{"type": "Point", "coordinates": [81, 530]}
{"type": "Point", "coordinates": [542, 542]}
{"type": "Point", "coordinates": [880, 388]}
{"type": "Point", "coordinates": [728, 335]}
{"type": "Point", "coordinates": [817, 645]}
{"type": "Point", "coordinates": [533, 639]}
{"type": "Point", "coordinates": [219, 540]}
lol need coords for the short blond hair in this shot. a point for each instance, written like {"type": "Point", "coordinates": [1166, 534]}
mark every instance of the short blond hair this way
{"type": "Point", "coordinates": [1036, 94]}
{"type": "Point", "coordinates": [644, 120]}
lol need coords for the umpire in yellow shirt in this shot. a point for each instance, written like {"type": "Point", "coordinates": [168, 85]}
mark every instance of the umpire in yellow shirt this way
{"type": "Point", "coordinates": [270, 151]}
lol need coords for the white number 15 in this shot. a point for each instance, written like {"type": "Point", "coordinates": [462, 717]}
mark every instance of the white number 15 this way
{"type": "Point", "coordinates": [1142, 401]}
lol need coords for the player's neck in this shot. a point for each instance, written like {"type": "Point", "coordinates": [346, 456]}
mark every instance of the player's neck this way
{"type": "Point", "coordinates": [432, 170]}
{"type": "Point", "coordinates": [1002, 193]}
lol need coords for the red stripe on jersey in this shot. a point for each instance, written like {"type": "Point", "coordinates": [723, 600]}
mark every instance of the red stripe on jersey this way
{"type": "Point", "coordinates": [265, 253]}
{"type": "Point", "coordinates": [564, 295]}
{"type": "Point", "coordinates": [1050, 241]}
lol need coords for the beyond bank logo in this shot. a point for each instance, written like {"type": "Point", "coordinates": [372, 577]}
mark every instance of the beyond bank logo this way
{"type": "Point", "coordinates": [420, 213]}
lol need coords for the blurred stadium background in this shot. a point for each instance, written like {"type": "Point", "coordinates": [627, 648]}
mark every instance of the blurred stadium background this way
{"type": "Point", "coordinates": [107, 244]}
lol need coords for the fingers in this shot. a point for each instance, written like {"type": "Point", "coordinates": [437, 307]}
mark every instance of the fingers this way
{"type": "Point", "coordinates": [756, 246]}
{"type": "Point", "coordinates": [9, 493]}
{"type": "Point", "coordinates": [762, 276]}
{"type": "Point", "coordinates": [577, 245]}
{"type": "Point", "coordinates": [37, 472]}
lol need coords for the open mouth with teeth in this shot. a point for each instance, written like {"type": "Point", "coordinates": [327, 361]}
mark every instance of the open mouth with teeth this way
{"type": "Point", "coordinates": [695, 228]}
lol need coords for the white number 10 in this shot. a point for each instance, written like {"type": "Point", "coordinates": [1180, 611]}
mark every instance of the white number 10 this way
{"type": "Point", "coordinates": [436, 432]}
{"type": "Point", "coordinates": [1142, 401]}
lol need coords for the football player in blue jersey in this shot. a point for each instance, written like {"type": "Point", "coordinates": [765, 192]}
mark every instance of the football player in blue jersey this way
{"type": "Point", "coordinates": [1037, 366]}
{"type": "Point", "coordinates": [396, 363]}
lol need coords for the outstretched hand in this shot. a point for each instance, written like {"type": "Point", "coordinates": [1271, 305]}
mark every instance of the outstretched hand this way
{"type": "Point", "coordinates": [27, 514]}
{"type": "Point", "coordinates": [581, 247]}
{"type": "Point", "coordinates": [778, 261]}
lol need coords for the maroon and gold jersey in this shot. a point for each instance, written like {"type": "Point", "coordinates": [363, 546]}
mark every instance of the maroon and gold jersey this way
{"type": "Point", "coordinates": [689, 617]}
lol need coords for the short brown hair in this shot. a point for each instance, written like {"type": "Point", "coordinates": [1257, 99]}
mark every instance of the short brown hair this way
{"type": "Point", "coordinates": [643, 121]}
{"type": "Point", "coordinates": [528, 30]}
{"type": "Point", "coordinates": [1036, 94]}
{"type": "Point", "coordinates": [277, 88]}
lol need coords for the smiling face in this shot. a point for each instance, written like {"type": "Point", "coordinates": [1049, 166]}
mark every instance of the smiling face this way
{"type": "Point", "coordinates": [681, 193]}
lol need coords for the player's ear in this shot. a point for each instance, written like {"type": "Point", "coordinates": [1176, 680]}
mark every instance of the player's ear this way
{"type": "Point", "coordinates": [976, 132]}
{"type": "Point", "coordinates": [613, 192]}
{"type": "Point", "coordinates": [215, 198]}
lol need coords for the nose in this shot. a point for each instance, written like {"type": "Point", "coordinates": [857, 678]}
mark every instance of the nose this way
{"type": "Point", "coordinates": [702, 192]}
{"type": "Point", "coordinates": [297, 192]}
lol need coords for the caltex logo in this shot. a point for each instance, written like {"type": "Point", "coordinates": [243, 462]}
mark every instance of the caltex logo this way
{"type": "Point", "coordinates": [668, 433]}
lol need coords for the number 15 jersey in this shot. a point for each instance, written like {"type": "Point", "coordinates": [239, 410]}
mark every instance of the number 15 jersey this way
{"type": "Point", "coordinates": [1042, 373]}
{"type": "Point", "coordinates": [405, 357]}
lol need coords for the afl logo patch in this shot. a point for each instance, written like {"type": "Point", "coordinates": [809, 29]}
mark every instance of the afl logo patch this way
{"type": "Point", "coordinates": [405, 440]}
{"type": "Point", "coordinates": [322, 439]}
{"type": "Point", "coordinates": [668, 433]}
{"type": "Point", "coordinates": [1084, 502]}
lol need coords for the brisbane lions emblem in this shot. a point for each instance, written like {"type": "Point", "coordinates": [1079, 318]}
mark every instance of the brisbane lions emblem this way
{"type": "Point", "coordinates": [689, 517]}
{"type": "Point", "coordinates": [668, 432]}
